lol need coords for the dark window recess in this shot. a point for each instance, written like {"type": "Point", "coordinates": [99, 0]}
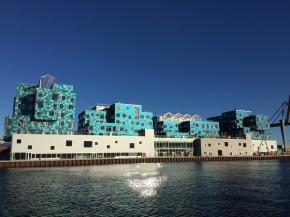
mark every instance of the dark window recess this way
{"type": "Point", "coordinates": [51, 113]}
{"type": "Point", "coordinates": [61, 106]}
{"type": "Point", "coordinates": [40, 104]}
{"type": "Point", "coordinates": [108, 146]}
{"type": "Point", "coordinates": [96, 143]}
{"type": "Point", "coordinates": [68, 142]}
{"type": "Point", "coordinates": [63, 97]}
{"type": "Point", "coordinates": [88, 144]}
{"type": "Point", "coordinates": [140, 142]}
{"type": "Point", "coordinates": [18, 141]}
{"type": "Point", "coordinates": [52, 147]}
{"type": "Point", "coordinates": [245, 144]}
{"type": "Point", "coordinates": [102, 127]}
{"type": "Point", "coordinates": [132, 145]}
{"type": "Point", "coordinates": [226, 144]}
{"type": "Point", "coordinates": [116, 142]}
{"type": "Point", "coordinates": [54, 96]}
{"type": "Point", "coordinates": [62, 114]}
{"type": "Point", "coordinates": [70, 107]}
{"type": "Point", "coordinates": [29, 147]}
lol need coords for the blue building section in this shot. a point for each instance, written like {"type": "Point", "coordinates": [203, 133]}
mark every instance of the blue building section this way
{"type": "Point", "coordinates": [186, 128]}
{"type": "Point", "coordinates": [200, 128]}
{"type": "Point", "coordinates": [44, 108]}
{"type": "Point", "coordinates": [117, 119]}
{"type": "Point", "coordinates": [237, 123]}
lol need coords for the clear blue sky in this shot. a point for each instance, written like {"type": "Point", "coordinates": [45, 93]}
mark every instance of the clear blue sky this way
{"type": "Point", "coordinates": [202, 57]}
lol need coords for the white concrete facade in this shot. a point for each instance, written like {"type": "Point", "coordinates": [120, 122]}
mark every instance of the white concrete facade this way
{"type": "Point", "coordinates": [233, 147]}
{"type": "Point", "coordinates": [264, 146]}
{"type": "Point", "coordinates": [36, 145]}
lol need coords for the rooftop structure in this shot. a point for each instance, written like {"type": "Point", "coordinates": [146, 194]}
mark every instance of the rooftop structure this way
{"type": "Point", "coordinates": [178, 117]}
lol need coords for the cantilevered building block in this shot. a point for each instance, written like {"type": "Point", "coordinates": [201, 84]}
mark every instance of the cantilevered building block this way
{"type": "Point", "coordinates": [43, 109]}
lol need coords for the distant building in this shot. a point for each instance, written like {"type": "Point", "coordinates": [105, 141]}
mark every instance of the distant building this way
{"type": "Point", "coordinates": [177, 125]}
{"type": "Point", "coordinates": [116, 119]}
{"type": "Point", "coordinates": [46, 108]}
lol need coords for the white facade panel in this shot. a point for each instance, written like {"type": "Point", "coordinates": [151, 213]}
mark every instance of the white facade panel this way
{"type": "Point", "coordinates": [55, 144]}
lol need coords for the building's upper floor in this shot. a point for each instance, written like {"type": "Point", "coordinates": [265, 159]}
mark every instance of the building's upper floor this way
{"type": "Point", "coordinates": [116, 119]}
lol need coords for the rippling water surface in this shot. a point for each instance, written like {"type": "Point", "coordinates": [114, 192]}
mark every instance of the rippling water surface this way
{"type": "Point", "coordinates": [246, 188]}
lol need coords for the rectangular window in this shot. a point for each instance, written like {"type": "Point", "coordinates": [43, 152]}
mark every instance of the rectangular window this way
{"type": "Point", "coordinates": [54, 96]}
{"type": "Point", "coordinates": [240, 144]}
{"type": "Point", "coordinates": [18, 141]}
{"type": "Point", "coordinates": [108, 146]}
{"type": "Point", "coordinates": [116, 142]}
{"type": "Point", "coordinates": [88, 144]}
{"type": "Point", "coordinates": [40, 104]}
{"type": "Point", "coordinates": [68, 142]}
{"type": "Point", "coordinates": [245, 144]}
{"type": "Point", "coordinates": [52, 147]}
{"type": "Point", "coordinates": [51, 113]}
{"type": "Point", "coordinates": [96, 143]}
{"type": "Point", "coordinates": [226, 144]}
{"type": "Point", "coordinates": [209, 145]}
{"type": "Point", "coordinates": [140, 142]}
{"type": "Point", "coordinates": [29, 147]}
{"type": "Point", "coordinates": [132, 145]}
{"type": "Point", "coordinates": [272, 147]}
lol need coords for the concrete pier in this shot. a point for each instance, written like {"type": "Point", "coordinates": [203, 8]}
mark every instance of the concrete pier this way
{"type": "Point", "coordinates": [107, 161]}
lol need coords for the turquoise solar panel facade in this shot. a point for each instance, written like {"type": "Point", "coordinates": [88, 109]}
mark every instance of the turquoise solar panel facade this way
{"type": "Point", "coordinates": [42, 110]}
{"type": "Point", "coordinates": [237, 123]}
{"type": "Point", "coordinates": [116, 119]}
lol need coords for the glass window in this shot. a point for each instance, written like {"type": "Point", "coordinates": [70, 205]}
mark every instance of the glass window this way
{"type": "Point", "coordinates": [40, 104]}
{"type": "Point", "coordinates": [29, 147]}
{"type": "Point", "coordinates": [54, 96]}
{"type": "Point", "coordinates": [108, 146]}
{"type": "Point", "coordinates": [18, 141]}
{"type": "Point", "coordinates": [132, 145]}
{"type": "Point", "coordinates": [68, 142]}
{"type": "Point", "coordinates": [226, 144]}
{"type": "Point", "coordinates": [88, 144]}
{"type": "Point", "coordinates": [52, 147]}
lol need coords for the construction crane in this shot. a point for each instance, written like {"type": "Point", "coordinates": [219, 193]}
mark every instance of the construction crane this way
{"type": "Point", "coordinates": [281, 119]}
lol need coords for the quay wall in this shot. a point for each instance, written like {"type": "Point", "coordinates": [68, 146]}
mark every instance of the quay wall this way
{"type": "Point", "coordinates": [107, 161]}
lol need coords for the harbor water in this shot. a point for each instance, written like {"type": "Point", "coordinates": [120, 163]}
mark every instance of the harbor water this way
{"type": "Point", "coordinates": [236, 188]}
